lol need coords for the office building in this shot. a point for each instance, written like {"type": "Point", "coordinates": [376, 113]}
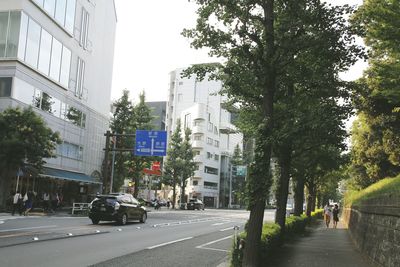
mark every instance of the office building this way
{"type": "Point", "coordinates": [214, 137]}
{"type": "Point", "coordinates": [56, 56]}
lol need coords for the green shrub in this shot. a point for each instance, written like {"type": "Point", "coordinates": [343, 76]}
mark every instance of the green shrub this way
{"type": "Point", "coordinates": [271, 236]}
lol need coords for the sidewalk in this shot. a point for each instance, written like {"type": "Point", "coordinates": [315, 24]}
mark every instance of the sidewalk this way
{"type": "Point", "coordinates": [323, 246]}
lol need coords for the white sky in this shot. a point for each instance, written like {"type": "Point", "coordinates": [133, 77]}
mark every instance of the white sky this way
{"type": "Point", "coordinates": [149, 45]}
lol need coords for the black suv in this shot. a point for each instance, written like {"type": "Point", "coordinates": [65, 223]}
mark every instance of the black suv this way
{"type": "Point", "coordinates": [194, 204]}
{"type": "Point", "coordinates": [116, 207]}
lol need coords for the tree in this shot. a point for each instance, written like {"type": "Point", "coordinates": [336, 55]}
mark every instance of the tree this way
{"type": "Point", "coordinates": [128, 118]}
{"type": "Point", "coordinates": [174, 162]}
{"type": "Point", "coordinates": [188, 165]}
{"type": "Point", "coordinates": [142, 121]}
{"type": "Point", "coordinates": [24, 139]}
{"type": "Point", "coordinates": [376, 142]}
{"type": "Point", "coordinates": [258, 40]}
{"type": "Point", "coordinates": [122, 123]}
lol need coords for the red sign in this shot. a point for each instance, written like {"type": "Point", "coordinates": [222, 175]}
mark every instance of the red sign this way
{"type": "Point", "coordinates": [155, 166]}
{"type": "Point", "coordinates": [152, 172]}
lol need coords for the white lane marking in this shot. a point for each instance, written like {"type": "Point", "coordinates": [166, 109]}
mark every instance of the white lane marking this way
{"type": "Point", "coordinates": [215, 241]}
{"type": "Point", "coordinates": [217, 224]}
{"type": "Point", "coordinates": [170, 242]}
{"type": "Point", "coordinates": [1, 222]}
{"type": "Point", "coordinates": [215, 249]}
{"type": "Point", "coordinates": [27, 228]}
{"type": "Point", "coordinates": [226, 229]}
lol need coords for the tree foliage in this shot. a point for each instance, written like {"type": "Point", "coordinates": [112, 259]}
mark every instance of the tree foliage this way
{"type": "Point", "coordinates": [260, 41]}
{"type": "Point", "coordinates": [376, 142]}
{"type": "Point", "coordinates": [128, 118]}
{"type": "Point", "coordinates": [24, 139]}
{"type": "Point", "coordinates": [174, 161]}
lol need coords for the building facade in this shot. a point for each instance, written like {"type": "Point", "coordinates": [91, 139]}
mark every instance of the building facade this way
{"type": "Point", "coordinates": [199, 106]}
{"type": "Point", "coordinates": [159, 113]}
{"type": "Point", "coordinates": [57, 57]}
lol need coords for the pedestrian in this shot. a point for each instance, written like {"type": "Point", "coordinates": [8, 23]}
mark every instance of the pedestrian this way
{"type": "Point", "coordinates": [335, 213]}
{"type": "Point", "coordinates": [168, 203]}
{"type": "Point", "coordinates": [17, 203]}
{"type": "Point", "coordinates": [28, 203]}
{"type": "Point", "coordinates": [46, 202]}
{"type": "Point", "coordinates": [327, 215]}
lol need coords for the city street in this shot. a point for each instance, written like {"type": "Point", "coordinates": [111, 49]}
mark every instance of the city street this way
{"type": "Point", "coordinates": [168, 238]}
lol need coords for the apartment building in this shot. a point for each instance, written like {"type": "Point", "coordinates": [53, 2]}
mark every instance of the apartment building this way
{"type": "Point", "coordinates": [198, 105]}
{"type": "Point", "coordinates": [56, 56]}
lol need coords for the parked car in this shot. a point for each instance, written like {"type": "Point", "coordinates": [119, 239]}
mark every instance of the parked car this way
{"type": "Point", "coordinates": [194, 204]}
{"type": "Point", "coordinates": [120, 208]}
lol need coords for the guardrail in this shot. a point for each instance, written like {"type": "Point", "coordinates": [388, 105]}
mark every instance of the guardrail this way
{"type": "Point", "coordinates": [80, 207]}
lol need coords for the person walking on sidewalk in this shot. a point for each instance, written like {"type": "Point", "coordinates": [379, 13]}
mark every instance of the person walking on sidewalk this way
{"type": "Point", "coordinates": [17, 203]}
{"type": "Point", "coordinates": [327, 215]}
{"type": "Point", "coordinates": [335, 213]}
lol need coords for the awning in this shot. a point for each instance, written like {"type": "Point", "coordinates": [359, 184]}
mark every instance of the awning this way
{"type": "Point", "coordinates": [68, 175]}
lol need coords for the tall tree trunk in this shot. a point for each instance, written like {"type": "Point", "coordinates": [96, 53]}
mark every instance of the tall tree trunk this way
{"type": "Point", "coordinates": [5, 187]}
{"type": "Point", "coordinates": [183, 190]}
{"type": "Point", "coordinates": [136, 186]}
{"type": "Point", "coordinates": [298, 195]}
{"type": "Point", "coordinates": [173, 195]}
{"type": "Point", "coordinates": [283, 186]}
{"type": "Point", "coordinates": [259, 180]}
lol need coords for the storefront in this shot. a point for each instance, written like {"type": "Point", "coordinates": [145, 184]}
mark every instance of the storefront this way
{"type": "Point", "coordinates": [64, 186]}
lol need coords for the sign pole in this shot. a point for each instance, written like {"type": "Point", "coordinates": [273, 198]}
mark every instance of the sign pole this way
{"type": "Point", "coordinates": [113, 163]}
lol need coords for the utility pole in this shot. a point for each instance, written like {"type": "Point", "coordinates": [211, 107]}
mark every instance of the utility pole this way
{"type": "Point", "coordinates": [113, 163]}
{"type": "Point", "coordinates": [107, 151]}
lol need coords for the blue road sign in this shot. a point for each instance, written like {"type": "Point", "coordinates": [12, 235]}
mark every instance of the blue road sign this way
{"type": "Point", "coordinates": [151, 143]}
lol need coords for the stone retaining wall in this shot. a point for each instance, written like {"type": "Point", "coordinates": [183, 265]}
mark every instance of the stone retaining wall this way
{"type": "Point", "coordinates": [375, 229]}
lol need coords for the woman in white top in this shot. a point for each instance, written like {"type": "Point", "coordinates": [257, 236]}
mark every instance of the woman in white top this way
{"type": "Point", "coordinates": [17, 202]}
{"type": "Point", "coordinates": [327, 215]}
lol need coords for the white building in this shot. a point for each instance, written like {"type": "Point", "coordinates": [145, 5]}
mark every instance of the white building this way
{"type": "Point", "coordinates": [198, 105]}
{"type": "Point", "coordinates": [57, 57]}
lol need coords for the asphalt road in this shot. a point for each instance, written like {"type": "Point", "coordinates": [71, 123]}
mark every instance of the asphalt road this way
{"type": "Point", "coordinates": [168, 238]}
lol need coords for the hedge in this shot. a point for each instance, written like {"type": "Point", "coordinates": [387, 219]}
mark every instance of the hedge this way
{"type": "Point", "coordinates": [272, 237]}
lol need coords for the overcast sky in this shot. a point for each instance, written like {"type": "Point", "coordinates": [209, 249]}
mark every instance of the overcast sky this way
{"type": "Point", "coordinates": [149, 45]}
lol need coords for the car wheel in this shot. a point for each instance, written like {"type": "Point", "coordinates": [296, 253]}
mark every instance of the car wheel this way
{"type": "Point", "coordinates": [144, 217]}
{"type": "Point", "coordinates": [95, 221]}
{"type": "Point", "coordinates": [123, 219]}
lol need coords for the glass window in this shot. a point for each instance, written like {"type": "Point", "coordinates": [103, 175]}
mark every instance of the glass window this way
{"type": "Point", "coordinates": [45, 52]}
{"type": "Point", "coordinates": [3, 32]}
{"type": "Point", "coordinates": [23, 91]}
{"type": "Point", "coordinates": [13, 34]}
{"type": "Point", "coordinates": [56, 107]}
{"type": "Point", "coordinates": [83, 122]}
{"type": "Point", "coordinates": [47, 102]}
{"type": "Point", "coordinates": [84, 28]}
{"type": "Point", "coordinates": [195, 182]}
{"type": "Point", "coordinates": [50, 6]}
{"type": "Point", "coordinates": [60, 11]}
{"type": "Point", "coordinates": [65, 66]}
{"type": "Point", "coordinates": [70, 15]}
{"type": "Point", "coordinates": [37, 98]}
{"type": "Point", "coordinates": [64, 110]}
{"type": "Point", "coordinates": [22, 36]}
{"type": "Point", "coordinates": [32, 44]}
{"type": "Point", "coordinates": [74, 115]}
{"type": "Point", "coordinates": [187, 121]}
{"type": "Point", "coordinates": [80, 76]}
{"type": "Point", "coordinates": [55, 60]}
{"type": "Point", "coordinates": [5, 86]}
